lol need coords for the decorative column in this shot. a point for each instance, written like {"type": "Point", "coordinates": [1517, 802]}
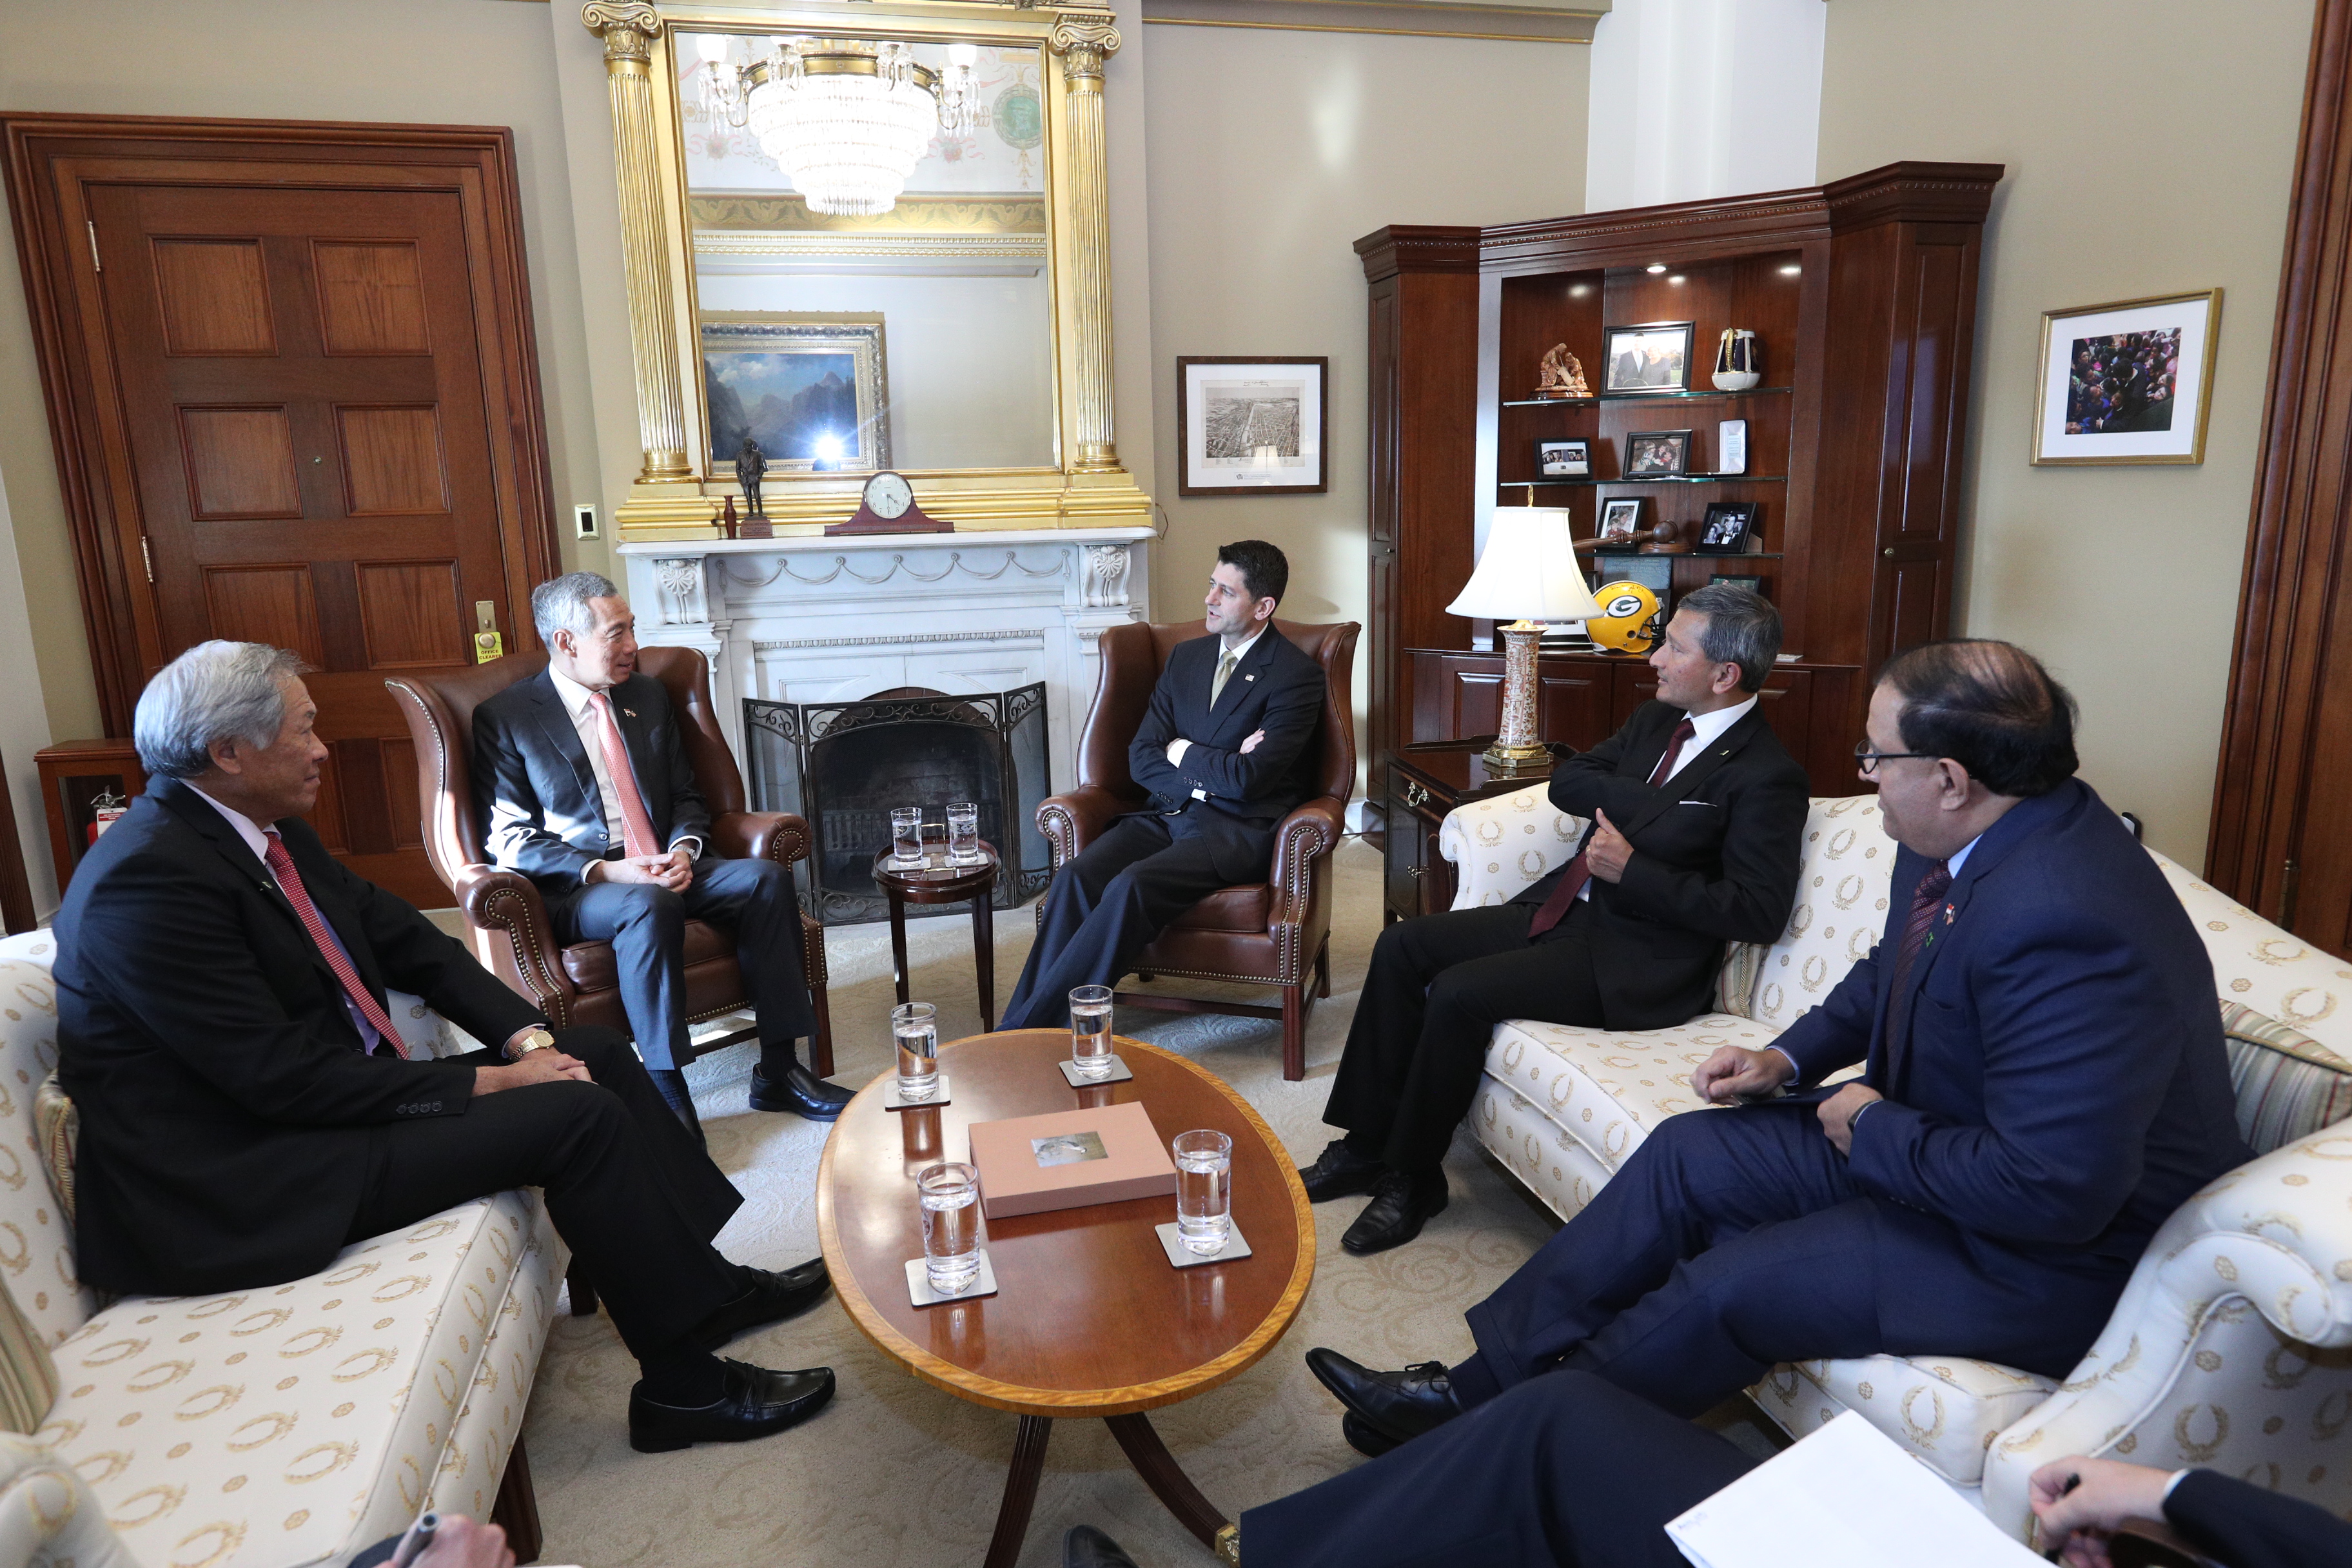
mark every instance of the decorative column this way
{"type": "Point", "coordinates": [1082, 37]}
{"type": "Point", "coordinates": [629, 29]}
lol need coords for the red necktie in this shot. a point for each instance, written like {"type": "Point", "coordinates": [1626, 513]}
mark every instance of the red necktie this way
{"type": "Point", "coordinates": [289, 882]}
{"type": "Point", "coordinates": [1563, 892]}
{"type": "Point", "coordinates": [1932, 888]}
{"type": "Point", "coordinates": [637, 836]}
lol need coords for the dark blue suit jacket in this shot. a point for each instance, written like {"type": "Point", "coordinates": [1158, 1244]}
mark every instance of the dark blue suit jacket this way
{"type": "Point", "coordinates": [541, 811]}
{"type": "Point", "coordinates": [1277, 687]}
{"type": "Point", "coordinates": [2064, 1087]}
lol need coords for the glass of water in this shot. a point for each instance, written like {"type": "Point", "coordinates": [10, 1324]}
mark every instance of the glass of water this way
{"type": "Point", "coordinates": [963, 833]}
{"type": "Point", "coordinates": [951, 1198]}
{"type": "Point", "coordinates": [1090, 1031]}
{"type": "Point", "coordinates": [905, 837]}
{"type": "Point", "coordinates": [916, 1027]}
{"type": "Point", "coordinates": [1204, 1190]}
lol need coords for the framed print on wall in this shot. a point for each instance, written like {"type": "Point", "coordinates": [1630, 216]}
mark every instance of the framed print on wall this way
{"type": "Point", "coordinates": [1648, 359]}
{"type": "Point", "coordinates": [2128, 382]}
{"type": "Point", "coordinates": [804, 384]}
{"type": "Point", "coordinates": [1253, 425]}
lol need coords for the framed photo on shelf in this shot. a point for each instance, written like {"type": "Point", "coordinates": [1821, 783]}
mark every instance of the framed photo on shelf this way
{"type": "Point", "coordinates": [2128, 382]}
{"type": "Point", "coordinates": [1657, 454]}
{"type": "Point", "coordinates": [806, 386]}
{"type": "Point", "coordinates": [1563, 460]}
{"type": "Point", "coordinates": [1753, 584]}
{"type": "Point", "coordinates": [1731, 446]}
{"type": "Point", "coordinates": [1652, 358]}
{"type": "Point", "coordinates": [1253, 425]}
{"type": "Point", "coordinates": [1726, 528]}
{"type": "Point", "coordinates": [1619, 518]}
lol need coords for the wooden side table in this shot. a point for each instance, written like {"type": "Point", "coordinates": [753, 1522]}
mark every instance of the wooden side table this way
{"type": "Point", "coordinates": [938, 882]}
{"type": "Point", "coordinates": [1424, 783]}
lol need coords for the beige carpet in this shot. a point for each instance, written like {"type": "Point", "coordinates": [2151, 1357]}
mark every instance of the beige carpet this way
{"type": "Point", "coordinates": [898, 1473]}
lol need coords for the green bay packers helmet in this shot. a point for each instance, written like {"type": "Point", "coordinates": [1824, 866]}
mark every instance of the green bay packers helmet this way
{"type": "Point", "coordinates": [1630, 624]}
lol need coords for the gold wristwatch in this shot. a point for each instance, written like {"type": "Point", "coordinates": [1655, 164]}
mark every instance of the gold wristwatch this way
{"type": "Point", "coordinates": [532, 1040]}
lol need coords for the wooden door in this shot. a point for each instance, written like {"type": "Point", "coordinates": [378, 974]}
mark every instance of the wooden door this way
{"type": "Point", "coordinates": [310, 405]}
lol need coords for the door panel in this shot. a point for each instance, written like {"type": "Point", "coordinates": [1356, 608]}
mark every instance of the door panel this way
{"type": "Point", "coordinates": [213, 296]}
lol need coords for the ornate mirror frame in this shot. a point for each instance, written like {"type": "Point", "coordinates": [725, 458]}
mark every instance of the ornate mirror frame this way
{"type": "Point", "coordinates": [1087, 489]}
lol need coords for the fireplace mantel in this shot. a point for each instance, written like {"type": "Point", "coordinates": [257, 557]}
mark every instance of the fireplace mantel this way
{"type": "Point", "coordinates": [811, 619]}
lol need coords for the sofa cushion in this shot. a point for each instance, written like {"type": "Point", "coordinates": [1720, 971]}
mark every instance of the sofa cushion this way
{"type": "Point", "coordinates": [293, 1423]}
{"type": "Point", "coordinates": [2287, 1083]}
{"type": "Point", "coordinates": [1946, 1410]}
{"type": "Point", "coordinates": [2257, 966]}
{"type": "Point", "coordinates": [1840, 913]}
{"type": "Point", "coordinates": [591, 966]}
{"type": "Point", "coordinates": [1247, 909]}
{"type": "Point", "coordinates": [36, 1255]}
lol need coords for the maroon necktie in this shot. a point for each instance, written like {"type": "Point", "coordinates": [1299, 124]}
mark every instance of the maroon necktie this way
{"type": "Point", "coordinates": [289, 882]}
{"type": "Point", "coordinates": [1924, 905]}
{"type": "Point", "coordinates": [1563, 892]}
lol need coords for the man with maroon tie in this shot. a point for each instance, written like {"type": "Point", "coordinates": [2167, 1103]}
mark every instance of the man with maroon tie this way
{"type": "Point", "coordinates": [584, 785]}
{"type": "Point", "coordinates": [249, 1106]}
{"type": "Point", "coordinates": [1697, 816]}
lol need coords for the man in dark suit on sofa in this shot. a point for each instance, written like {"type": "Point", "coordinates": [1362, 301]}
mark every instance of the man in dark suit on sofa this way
{"type": "Point", "coordinates": [1697, 818]}
{"type": "Point", "coordinates": [1222, 750]}
{"type": "Point", "coordinates": [2045, 1084]}
{"type": "Point", "coordinates": [584, 788]}
{"type": "Point", "coordinates": [248, 1108]}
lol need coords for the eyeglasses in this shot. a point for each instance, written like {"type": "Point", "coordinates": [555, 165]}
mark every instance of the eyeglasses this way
{"type": "Point", "coordinates": [1867, 760]}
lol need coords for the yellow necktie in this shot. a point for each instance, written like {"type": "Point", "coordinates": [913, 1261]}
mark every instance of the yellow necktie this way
{"type": "Point", "coordinates": [1225, 662]}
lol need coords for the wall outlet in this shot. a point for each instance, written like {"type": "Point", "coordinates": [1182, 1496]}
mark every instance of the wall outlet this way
{"type": "Point", "coordinates": [583, 521]}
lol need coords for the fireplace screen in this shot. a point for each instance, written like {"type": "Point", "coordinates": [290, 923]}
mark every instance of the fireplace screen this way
{"type": "Point", "coordinates": [843, 765]}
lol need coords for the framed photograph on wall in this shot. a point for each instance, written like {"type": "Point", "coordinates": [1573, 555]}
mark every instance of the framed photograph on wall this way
{"type": "Point", "coordinates": [1563, 460]}
{"type": "Point", "coordinates": [805, 385]}
{"type": "Point", "coordinates": [1657, 454]}
{"type": "Point", "coordinates": [2128, 382]}
{"type": "Point", "coordinates": [1252, 425]}
{"type": "Point", "coordinates": [1648, 359]}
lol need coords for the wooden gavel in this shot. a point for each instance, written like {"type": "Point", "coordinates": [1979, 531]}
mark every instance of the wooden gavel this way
{"type": "Point", "coordinates": [1660, 541]}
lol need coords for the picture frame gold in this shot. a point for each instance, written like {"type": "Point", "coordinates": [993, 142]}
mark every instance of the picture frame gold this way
{"type": "Point", "coordinates": [2131, 380]}
{"type": "Point", "coordinates": [752, 359]}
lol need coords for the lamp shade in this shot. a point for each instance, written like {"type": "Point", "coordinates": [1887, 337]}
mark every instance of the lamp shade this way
{"type": "Point", "coordinates": [1527, 570]}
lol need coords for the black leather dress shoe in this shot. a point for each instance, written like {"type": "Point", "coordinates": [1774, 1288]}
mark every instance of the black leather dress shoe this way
{"type": "Point", "coordinates": [1362, 1439]}
{"type": "Point", "coordinates": [755, 1404]}
{"type": "Point", "coordinates": [1403, 1202]}
{"type": "Point", "coordinates": [1397, 1405]}
{"type": "Point", "coordinates": [1087, 1547]}
{"type": "Point", "coordinates": [1339, 1171]}
{"type": "Point", "coordinates": [774, 1298]}
{"type": "Point", "coordinates": [670, 1084]}
{"type": "Point", "coordinates": [799, 1091]}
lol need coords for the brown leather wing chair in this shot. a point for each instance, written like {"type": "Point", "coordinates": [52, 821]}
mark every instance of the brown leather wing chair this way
{"type": "Point", "coordinates": [1268, 934]}
{"type": "Point", "coordinates": [579, 984]}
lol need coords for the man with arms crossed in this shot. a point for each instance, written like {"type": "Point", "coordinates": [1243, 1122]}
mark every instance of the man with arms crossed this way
{"type": "Point", "coordinates": [248, 1108]}
{"type": "Point", "coordinates": [2045, 1084]}
{"type": "Point", "coordinates": [584, 787]}
{"type": "Point", "coordinates": [1698, 820]}
{"type": "Point", "coordinates": [1222, 750]}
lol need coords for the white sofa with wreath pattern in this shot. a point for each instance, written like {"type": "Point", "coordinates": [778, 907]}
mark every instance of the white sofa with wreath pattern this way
{"type": "Point", "coordinates": [2233, 1344]}
{"type": "Point", "coordinates": [275, 1428]}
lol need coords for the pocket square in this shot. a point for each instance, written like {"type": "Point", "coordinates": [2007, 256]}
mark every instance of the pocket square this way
{"type": "Point", "coordinates": [1708, 804]}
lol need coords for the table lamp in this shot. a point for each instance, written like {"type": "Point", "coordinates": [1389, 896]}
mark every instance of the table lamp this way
{"type": "Point", "coordinates": [1527, 574]}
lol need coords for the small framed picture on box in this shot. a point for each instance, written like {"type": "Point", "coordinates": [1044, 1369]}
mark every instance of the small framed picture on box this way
{"type": "Point", "coordinates": [1657, 454]}
{"type": "Point", "coordinates": [1728, 527]}
{"type": "Point", "coordinates": [1649, 359]}
{"type": "Point", "coordinates": [1563, 460]}
{"type": "Point", "coordinates": [1621, 517]}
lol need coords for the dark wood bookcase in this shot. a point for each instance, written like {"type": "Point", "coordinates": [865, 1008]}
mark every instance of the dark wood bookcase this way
{"type": "Point", "coordinates": [1863, 294]}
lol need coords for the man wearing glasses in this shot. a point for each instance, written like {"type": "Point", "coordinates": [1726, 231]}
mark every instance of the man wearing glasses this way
{"type": "Point", "coordinates": [2044, 1083]}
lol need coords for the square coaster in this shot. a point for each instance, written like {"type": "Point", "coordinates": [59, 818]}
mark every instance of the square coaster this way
{"type": "Point", "coordinates": [890, 1100]}
{"type": "Point", "coordinates": [1183, 1256]}
{"type": "Point", "coordinates": [919, 1283]}
{"type": "Point", "coordinates": [1117, 1074]}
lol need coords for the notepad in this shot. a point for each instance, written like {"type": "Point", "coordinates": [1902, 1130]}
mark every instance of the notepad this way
{"type": "Point", "coordinates": [1846, 1497]}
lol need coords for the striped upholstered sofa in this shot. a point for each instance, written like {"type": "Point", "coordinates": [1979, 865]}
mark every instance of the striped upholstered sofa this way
{"type": "Point", "coordinates": [2233, 1344]}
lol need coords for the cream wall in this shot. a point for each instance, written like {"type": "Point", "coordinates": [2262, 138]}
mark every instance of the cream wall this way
{"type": "Point", "coordinates": [2150, 146]}
{"type": "Point", "coordinates": [1272, 152]}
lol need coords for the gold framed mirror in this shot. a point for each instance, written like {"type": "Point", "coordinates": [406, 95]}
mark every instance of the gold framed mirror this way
{"type": "Point", "coordinates": [867, 236]}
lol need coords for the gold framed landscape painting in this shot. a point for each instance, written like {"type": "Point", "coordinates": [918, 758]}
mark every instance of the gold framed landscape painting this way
{"type": "Point", "coordinates": [2128, 382]}
{"type": "Point", "coordinates": [811, 387]}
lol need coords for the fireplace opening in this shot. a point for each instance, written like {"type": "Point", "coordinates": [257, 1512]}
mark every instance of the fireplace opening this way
{"type": "Point", "coordinates": [844, 765]}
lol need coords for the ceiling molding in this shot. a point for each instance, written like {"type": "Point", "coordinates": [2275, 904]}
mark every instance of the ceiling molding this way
{"type": "Point", "coordinates": [1564, 22]}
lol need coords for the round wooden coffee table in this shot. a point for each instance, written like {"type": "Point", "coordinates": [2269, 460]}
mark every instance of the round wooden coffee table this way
{"type": "Point", "coordinates": [1088, 1318]}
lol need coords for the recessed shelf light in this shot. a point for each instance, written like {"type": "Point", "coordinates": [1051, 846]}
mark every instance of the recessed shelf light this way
{"type": "Point", "coordinates": [1791, 270]}
{"type": "Point", "coordinates": [1677, 278]}
{"type": "Point", "coordinates": [1578, 290]}
{"type": "Point", "coordinates": [1657, 267]}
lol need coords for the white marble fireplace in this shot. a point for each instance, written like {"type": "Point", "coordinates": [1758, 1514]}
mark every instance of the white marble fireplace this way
{"type": "Point", "coordinates": [817, 620]}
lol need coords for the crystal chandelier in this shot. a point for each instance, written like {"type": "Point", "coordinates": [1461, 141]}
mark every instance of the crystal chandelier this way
{"type": "Point", "coordinates": [848, 120]}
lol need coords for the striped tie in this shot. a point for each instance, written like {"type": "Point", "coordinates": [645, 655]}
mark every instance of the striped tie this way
{"type": "Point", "coordinates": [637, 836]}
{"type": "Point", "coordinates": [289, 882]}
{"type": "Point", "coordinates": [1924, 904]}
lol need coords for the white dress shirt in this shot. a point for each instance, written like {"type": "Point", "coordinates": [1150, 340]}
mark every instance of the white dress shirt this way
{"type": "Point", "coordinates": [1178, 747]}
{"type": "Point", "coordinates": [1705, 728]}
{"type": "Point", "coordinates": [579, 702]}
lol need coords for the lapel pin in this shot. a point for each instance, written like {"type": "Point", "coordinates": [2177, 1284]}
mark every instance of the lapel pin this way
{"type": "Point", "coordinates": [1949, 912]}
{"type": "Point", "coordinates": [1249, 677]}
{"type": "Point", "coordinates": [630, 712]}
